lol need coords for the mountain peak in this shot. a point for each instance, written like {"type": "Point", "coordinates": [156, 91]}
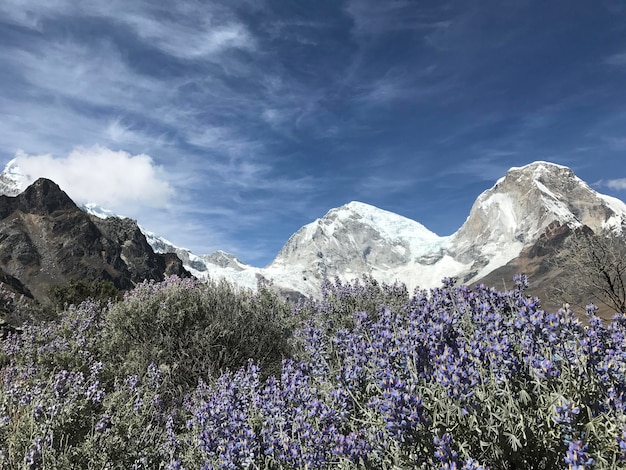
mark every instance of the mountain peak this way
{"type": "Point", "coordinates": [522, 205]}
{"type": "Point", "coordinates": [46, 239]}
{"type": "Point", "coordinates": [540, 165]}
{"type": "Point", "coordinates": [540, 169]}
{"type": "Point", "coordinates": [358, 206]}
{"type": "Point", "coordinates": [355, 239]}
{"type": "Point", "coordinates": [389, 224]}
{"type": "Point", "coordinates": [12, 180]}
{"type": "Point", "coordinates": [44, 197]}
{"type": "Point", "coordinates": [557, 191]}
{"type": "Point", "coordinates": [542, 172]}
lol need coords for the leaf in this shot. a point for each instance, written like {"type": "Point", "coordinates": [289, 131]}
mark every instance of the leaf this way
{"type": "Point", "coordinates": [524, 397]}
{"type": "Point", "coordinates": [485, 445]}
{"type": "Point", "coordinates": [514, 442]}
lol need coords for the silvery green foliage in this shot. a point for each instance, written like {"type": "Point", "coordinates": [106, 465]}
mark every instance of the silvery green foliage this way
{"type": "Point", "coordinates": [195, 329]}
{"type": "Point", "coordinates": [448, 378]}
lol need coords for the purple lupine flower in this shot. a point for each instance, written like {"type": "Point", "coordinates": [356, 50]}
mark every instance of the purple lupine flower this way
{"type": "Point", "coordinates": [566, 412]}
{"type": "Point", "coordinates": [444, 452]}
{"type": "Point", "coordinates": [38, 412]}
{"type": "Point", "coordinates": [138, 404]}
{"type": "Point", "coordinates": [354, 446]}
{"type": "Point", "coordinates": [32, 459]}
{"type": "Point", "coordinates": [577, 456]}
{"type": "Point", "coordinates": [131, 382]}
{"type": "Point", "coordinates": [621, 442]}
{"type": "Point", "coordinates": [545, 368]}
{"type": "Point", "coordinates": [103, 423]}
{"type": "Point", "coordinates": [471, 464]}
{"type": "Point", "coordinates": [94, 392]}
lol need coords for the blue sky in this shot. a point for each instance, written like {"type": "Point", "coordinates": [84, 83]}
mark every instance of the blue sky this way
{"type": "Point", "coordinates": [229, 124]}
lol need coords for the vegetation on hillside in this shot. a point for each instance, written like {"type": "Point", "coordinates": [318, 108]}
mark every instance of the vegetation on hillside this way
{"type": "Point", "coordinates": [594, 268]}
{"type": "Point", "coordinates": [76, 291]}
{"type": "Point", "coordinates": [182, 374]}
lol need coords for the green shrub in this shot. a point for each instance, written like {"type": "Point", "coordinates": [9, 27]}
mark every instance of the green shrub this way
{"type": "Point", "coordinates": [194, 330]}
{"type": "Point", "coordinates": [78, 290]}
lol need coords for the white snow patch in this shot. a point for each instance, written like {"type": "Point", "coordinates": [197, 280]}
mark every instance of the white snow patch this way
{"type": "Point", "coordinates": [397, 229]}
{"type": "Point", "coordinates": [425, 277]}
{"type": "Point", "coordinates": [539, 165]}
{"type": "Point", "coordinates": [102, 213]}
{"type": "Point", "coordinates": [542, 187]}
{"type": "Point", "coordinates": [498, 255]}
{"type": "Point", "coordinates": [501, 208]}
{"type": "Point", "coordinates": [618, 219]}
{"type": "Point", "coordinates": [390, 224]}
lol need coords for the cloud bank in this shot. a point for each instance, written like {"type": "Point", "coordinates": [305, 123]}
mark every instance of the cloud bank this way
{"type": "Point", "coordinates": [113, 179]}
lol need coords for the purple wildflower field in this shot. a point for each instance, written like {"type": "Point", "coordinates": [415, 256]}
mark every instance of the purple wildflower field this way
{"type": "Point", "coordinates": [367, 377]}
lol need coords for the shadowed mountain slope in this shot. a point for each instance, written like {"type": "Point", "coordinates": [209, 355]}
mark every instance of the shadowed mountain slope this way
{"type": "Point", "coordinates": [45, 239]}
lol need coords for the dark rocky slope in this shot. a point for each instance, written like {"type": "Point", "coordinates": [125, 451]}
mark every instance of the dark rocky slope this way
{"type": "Point", "coordinates": [45, 239]}
{"type": "Point", "coordinates": [537, 261]}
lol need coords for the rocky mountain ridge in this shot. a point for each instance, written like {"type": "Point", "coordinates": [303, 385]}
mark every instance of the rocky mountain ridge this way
{"type": "Point", "coordinates": [510, 226]}
{"type": "Point", "coordinates": [518, 210]}
{"type": "Point", "coordinates": [521, 210]}
{"type": "Point", "coordinates": [45, 239]}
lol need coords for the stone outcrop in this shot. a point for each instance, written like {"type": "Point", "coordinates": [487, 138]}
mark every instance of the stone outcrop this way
{"type": "Point", "coordinates": [45, 239]}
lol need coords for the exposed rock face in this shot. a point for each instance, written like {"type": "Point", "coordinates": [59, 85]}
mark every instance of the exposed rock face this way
{"type": "Point", "coordinates": [513, 227]}
{"type": "Point", "coordinates": [538, 262]}
{"type": "Point", "coordinates": [535, 260]}
{"type": "Point", "coordinates": [46, 239]}
{"type": "Point", "coordinates": [13, 284]}
{"type": "Point", "coordinates": [522, 206]}
{"type": "Point", "coordinates": [510, 229]}
{"type": "Point", "coordinates": [353, 240]}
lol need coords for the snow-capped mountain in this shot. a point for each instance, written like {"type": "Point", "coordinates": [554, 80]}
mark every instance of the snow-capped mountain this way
{"type": "Point", "coordinates": [358, 238]}
{"type": "Point", "coordinates": [518, 209]}
{"type": "Point", "coordinates": [215, 265]}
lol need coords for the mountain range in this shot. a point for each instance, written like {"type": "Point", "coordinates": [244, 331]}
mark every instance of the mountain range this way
{"type": "Point", "coordinates": [514, 226]}
{"type": "Point", "coordinates": [45, 240]}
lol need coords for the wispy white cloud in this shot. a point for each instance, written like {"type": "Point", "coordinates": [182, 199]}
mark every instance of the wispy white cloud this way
{"type": "Point", "coordinates": [112, 179]}
{"type": "Point", "coordinates": [405, 85]}
{"type": "Point", "coordinates": [194, 34]}
{"type": "Point", "coordinates": [97, 74]}
{"type": "Point", "coordinates": [616, 59]}
{"type": "Point", "coordinates": [221, 139]}
{"type": "Point", "coordinates": [122, 133]}
{"type": "Point", "coordinates": [618, 184]}
{"type": "Point", "coordinates": [67, 73]}
{"type": "Point", "coordinates": [372, 18]}
{"type": "Point", "coordinates": [183, 29]}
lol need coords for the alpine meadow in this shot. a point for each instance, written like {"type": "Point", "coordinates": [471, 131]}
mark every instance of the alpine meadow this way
{"type": "Point", "coordinates": [184, 374]}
